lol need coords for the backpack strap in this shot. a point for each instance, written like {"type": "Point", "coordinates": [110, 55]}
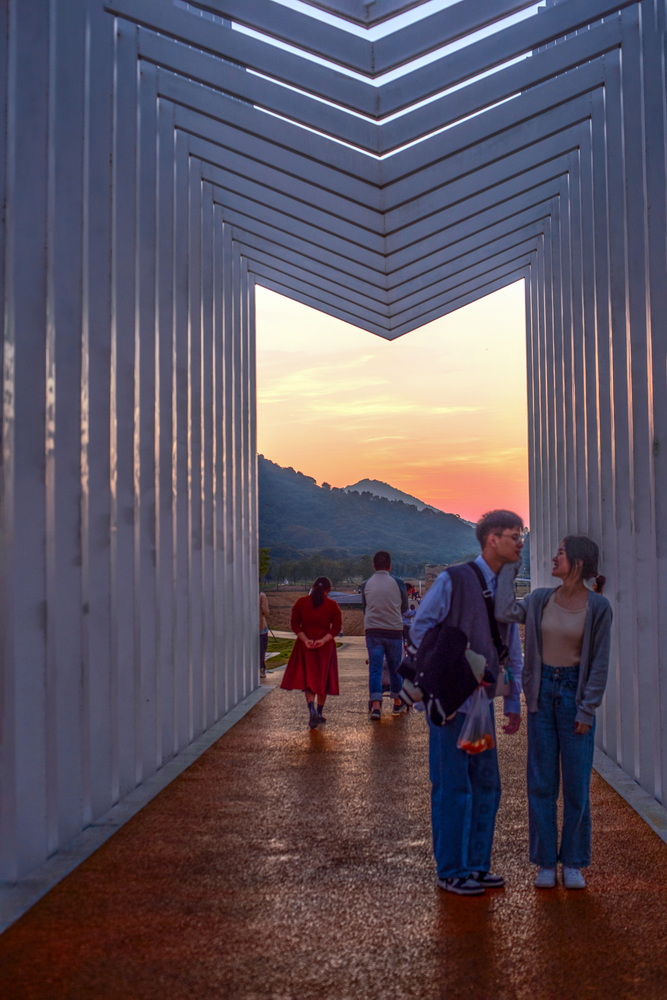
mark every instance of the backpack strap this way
{"type": "Point", "coordinates": [501, 648]}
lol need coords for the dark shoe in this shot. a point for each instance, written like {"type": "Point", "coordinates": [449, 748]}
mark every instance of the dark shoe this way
{"type": "Point", "coordinates": [375, 715]}
{"type": "Point", "coordinates": [399, 709]}
{"type": "Point", "coordinates": [262, 673]}
{"type": "Point", "coordinates": [461, 886]}
{"type": "Point", "coordinates": [323, 718]}
{"type": "Point", "coordinates": [488, 880]}
{"type": "Point", "coordinates": [314, 717]}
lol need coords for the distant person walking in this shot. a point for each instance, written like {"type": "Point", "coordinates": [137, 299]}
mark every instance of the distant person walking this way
{"type": "Point", "coordinates": [313, 663]}
{"type": "Point", "coordinates": [465, 788]}
{"type": "Point", "coordinates": [263, 631]}
{"type": "Point", "coordinates": [568, 633]}
{"type": "Point", "coordinates": [384, 600]}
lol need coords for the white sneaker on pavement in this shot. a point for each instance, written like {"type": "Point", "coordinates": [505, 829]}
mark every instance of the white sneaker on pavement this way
{"type": "Point", "coordinates": [545, 878]}
{"type": "Point", "coordinates": [573, 879]}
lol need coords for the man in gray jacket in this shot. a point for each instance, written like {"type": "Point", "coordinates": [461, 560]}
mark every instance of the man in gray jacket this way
{"type": "Point", "coordinates": [384, 599]}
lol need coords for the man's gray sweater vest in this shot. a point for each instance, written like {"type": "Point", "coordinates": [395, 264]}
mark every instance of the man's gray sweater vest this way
{"type": "Point", "coordinates": [468, 612]}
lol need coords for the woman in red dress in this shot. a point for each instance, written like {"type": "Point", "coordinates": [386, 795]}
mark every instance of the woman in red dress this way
{"type": "Point", "coordinates": [313, 664]}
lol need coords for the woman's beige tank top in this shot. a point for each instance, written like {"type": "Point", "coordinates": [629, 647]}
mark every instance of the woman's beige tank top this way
{"type": "Point", "coordinates": [562, 635]}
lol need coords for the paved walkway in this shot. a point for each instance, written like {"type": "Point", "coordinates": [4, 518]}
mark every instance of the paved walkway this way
{"type": "Point", "coordinates": [296, 865]}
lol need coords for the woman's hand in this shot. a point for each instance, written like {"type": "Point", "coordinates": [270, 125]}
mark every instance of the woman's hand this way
{"type": "Point", "coordinates": [321, 642]}
{"type": "Point", "coordinates": [308, 643]}
{"type": "Point", "coordinates": [581, 728]}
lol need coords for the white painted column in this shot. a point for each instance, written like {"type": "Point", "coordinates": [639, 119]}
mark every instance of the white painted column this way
{"type": "Point", "coordinates": [126, 526]}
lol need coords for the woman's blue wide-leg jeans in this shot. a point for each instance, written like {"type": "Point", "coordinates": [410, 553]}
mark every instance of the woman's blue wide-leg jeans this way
{"type": "Point", "coordinates": [555, 748]}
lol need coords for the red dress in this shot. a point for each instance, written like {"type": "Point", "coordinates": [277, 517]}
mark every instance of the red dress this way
{"type": "Point", "coordinates": [314, 669]}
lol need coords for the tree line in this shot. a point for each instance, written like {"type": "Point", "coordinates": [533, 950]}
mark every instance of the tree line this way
{"type": "Point", "coordinates": [348, 571]}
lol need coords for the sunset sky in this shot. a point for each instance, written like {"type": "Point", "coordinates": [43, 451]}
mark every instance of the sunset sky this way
{"type": "Point", "coordinates": [439, 413]}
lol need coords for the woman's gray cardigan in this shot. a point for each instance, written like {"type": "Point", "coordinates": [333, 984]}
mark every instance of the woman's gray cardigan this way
{"type": "Point", "coordinates": [594, 662]}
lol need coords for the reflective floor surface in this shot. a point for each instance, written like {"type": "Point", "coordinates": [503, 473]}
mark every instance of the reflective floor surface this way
{"type": "Point", "coordinates": [293, 864]}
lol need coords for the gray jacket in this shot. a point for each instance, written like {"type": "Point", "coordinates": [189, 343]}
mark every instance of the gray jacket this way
{"type": "Point", "coordinates": [384, 598]}
{"type": "Point", "coordinates": [594, 650]}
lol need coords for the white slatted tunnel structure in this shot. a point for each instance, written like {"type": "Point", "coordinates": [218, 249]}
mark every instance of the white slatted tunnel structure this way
{"type": "Point", "coordinates": [162, 158]}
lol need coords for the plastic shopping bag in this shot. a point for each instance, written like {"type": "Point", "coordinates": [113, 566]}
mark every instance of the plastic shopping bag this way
{"type": "Point", "coordinates": [477, 734]}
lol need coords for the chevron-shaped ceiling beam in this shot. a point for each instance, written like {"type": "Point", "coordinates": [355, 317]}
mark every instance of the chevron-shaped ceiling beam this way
{"type": "Point", "coordinates": [373, 101]}
{"type": "Point", "coordinates": [390, 212]}
{"type": "Point", "coordinates": [370, 58]}
{"type": "Point", "coordinates": [367, 14]}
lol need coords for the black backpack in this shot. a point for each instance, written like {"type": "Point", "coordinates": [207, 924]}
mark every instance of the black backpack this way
{"type": "Point", "coordinates": [439, 672]}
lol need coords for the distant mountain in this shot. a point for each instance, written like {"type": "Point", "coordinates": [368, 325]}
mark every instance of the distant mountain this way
{"type": "Point", "coordinates": [379, 489]}
{"type": "Point", "coordinates": [297, 517]}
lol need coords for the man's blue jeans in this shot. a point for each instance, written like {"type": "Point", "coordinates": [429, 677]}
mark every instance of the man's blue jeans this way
{"type": "Point", "coordinates": [379, 648]}
{"type": "Point", "coordinates": [553, 746]}
{"type": "Point", "coordinates": [465, 795]}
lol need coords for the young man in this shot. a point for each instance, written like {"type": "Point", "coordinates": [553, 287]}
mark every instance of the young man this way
{"type": "Point", "coordinates": [465, 788]}
{"type": "Point", "coordinates": [384, 599]}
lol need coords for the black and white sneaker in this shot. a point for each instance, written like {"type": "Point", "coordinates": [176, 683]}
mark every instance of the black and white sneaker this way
{"type": "Point", "coordinates": [462, 886]}
{"type": "Point", "coordinates": [488, 880]}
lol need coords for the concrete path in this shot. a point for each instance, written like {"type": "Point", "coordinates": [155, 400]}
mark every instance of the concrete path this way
{"type": "Point", "coordinates": [296, 865]}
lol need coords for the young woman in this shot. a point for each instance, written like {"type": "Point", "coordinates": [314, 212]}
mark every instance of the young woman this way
{"type": "Point", "coordinates": [568, 631]}
{"type": "Point", "coordinates": [313, 663]}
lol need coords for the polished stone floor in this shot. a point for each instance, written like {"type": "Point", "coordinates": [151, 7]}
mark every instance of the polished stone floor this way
{"type": "Point", "coordinates": [293, 864]}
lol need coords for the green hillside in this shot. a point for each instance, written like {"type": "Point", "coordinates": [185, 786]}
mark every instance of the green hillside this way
{"type": "Point", "coordinates": [298, 518]}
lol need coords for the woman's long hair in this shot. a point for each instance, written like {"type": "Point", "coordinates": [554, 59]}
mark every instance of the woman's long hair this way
{"type": "Point", "coordinates": [583, 550]}
{"type": "Point", "coordinates": [319, 590]}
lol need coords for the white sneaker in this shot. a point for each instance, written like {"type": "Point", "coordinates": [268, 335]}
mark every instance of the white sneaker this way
{"type": "Point", "coordinates": [545, 878]}
{"type": "Point", "coordinates": [573, 879]}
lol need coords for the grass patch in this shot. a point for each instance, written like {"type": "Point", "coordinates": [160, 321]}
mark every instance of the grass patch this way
{"type": "Point", "coordinates": [283, 648]}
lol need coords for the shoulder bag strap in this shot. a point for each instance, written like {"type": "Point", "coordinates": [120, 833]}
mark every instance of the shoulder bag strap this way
{"type": "Point", "coordinates": [501, 648]}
